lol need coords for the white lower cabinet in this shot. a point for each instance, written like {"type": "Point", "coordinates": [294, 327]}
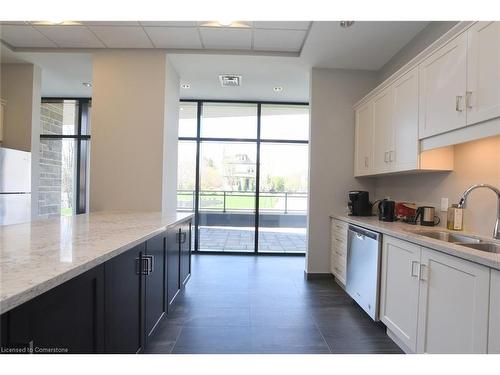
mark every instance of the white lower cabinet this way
{"type": "Point", "coordinates": [453, 305]}
{"type": "Point", "coordinates": [433, 302]}
{"type": "Point", "coordinates": [399, 289]}
{"type": "Point", "coordinates": [494, 328]}
{"type": "Point", "coordinates": [338, 249]}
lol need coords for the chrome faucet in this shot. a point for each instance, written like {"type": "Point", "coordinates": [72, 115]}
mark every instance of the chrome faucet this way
{"type": "Point", "coordinates": [462, 202]}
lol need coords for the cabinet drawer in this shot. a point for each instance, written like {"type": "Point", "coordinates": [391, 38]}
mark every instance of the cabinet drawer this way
{"type": "Point", "coordinates": [338, 265]}
{"type": "Point", "coordinates": [340, 247]}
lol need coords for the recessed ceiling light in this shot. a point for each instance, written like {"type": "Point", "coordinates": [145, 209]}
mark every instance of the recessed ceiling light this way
{"type": "Point", "coordinates": [185, 86]}
{"type": "Point", "coordinates": [278, 88]}
{"type": "Point", "coordinates": [225, 23]}
{"type": "Point", "coordinates": [56, 23]}
{"type": "Point", "coordinates": [346, 24]}
{"type": "Point", "coordinates": [87, 84]}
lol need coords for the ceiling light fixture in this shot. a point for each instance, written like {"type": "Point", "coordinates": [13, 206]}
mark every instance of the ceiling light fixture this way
{"type": "Point", "coordinates": [87, 84]}
{"type": "Point", "coordinates": [225, 23]}
{"type": "Point", "coordinates": [346, 24]}
{"type": "Point", "coordinates": [278, 88]}
{"type": "Point", "coordinates": [185, 86]}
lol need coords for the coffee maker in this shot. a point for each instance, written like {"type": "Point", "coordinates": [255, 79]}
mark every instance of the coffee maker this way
{"type": "Point", "coordinates": [359, 203]}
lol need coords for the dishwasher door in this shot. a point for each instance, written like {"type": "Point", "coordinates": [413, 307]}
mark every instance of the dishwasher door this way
{"type": "Point", "coordinates": [363, 268]}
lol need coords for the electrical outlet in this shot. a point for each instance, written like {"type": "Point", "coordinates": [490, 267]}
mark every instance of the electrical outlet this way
{"type": "Point", "coordinates": [444, 204]}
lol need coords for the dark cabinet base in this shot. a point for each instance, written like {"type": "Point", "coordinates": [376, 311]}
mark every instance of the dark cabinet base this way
{"type": "Point", "coordinates": [112, 308]}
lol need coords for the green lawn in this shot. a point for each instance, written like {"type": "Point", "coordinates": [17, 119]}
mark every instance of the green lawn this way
{"type": "Point", "coordinates": [232, 202]}
{"type": "Point", "coordinates": [66, 211]}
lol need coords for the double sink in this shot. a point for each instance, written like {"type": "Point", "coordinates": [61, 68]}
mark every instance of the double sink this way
{"type": "Point", "coordinates": [463, 240]}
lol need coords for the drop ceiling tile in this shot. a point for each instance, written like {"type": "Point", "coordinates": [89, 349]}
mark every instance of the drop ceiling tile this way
{"type": "Point", "coordinates": [24, 36]}
{"type": "Point", "coordinates": [110, 23]}
{"type": "Point", "coordinates": [170, 23]}
{"type": "Point", "coordinates": [122, 36]}
{"type": "Point", "coordinates": [71, 36]}
{"type": "Point", "coordinates": [278, 40]}
{"type": "Point", "coordinates": [226, 38]}
{"type": "Point", "coordinates": [174, 37]}
{"type": "Point", "coordinates": [14, 23]}
{"type": "Point", "coordinates": [295, 25]}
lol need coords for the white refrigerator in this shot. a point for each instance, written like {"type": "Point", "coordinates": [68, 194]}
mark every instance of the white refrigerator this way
{"type": "Point", "coordinates": [15, 186]}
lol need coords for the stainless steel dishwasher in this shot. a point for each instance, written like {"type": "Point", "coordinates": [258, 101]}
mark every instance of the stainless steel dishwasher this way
{"type": "Point", "coordinates": [363, 268]}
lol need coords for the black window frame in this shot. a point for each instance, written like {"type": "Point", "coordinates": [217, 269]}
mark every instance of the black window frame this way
{"type": "Point", "coordinates": [198, 139]}
{"type": "Point", "coordinates": [82, 137]}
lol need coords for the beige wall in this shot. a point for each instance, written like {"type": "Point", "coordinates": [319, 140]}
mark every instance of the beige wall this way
{"type": "Point", "coordinates": [475, 162]}
{"type": "Point", "coordinates": [170, 141]}
{"type": "Point", "coordinates": [331, 154]}
{"type": "Point", "coordinates": [130, 109]}
{"type": "Point", "coordinates": [21, 88]}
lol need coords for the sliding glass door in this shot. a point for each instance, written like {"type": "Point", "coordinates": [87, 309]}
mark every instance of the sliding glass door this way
{"type": "Point", "coordinates": [245, 181]}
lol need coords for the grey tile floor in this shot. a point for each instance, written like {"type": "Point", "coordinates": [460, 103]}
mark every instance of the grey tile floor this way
{"type": "Point", "coordinates": [279, 240]}
{"type": "Point", "coordinates": [262, 304]}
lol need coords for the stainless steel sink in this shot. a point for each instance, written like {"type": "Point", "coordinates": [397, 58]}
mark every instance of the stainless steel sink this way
{"type": "Point", "coordinates": [483, 246]}
{"type": "Point", "coordinates": [449, 237]}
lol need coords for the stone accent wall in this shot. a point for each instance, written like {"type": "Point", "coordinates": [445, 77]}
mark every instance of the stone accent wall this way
{"type": "Point", "coordinates": [49, 201]}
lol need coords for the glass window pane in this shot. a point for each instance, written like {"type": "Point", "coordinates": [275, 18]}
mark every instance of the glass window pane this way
{"type": "Point", "coordinates": [283, 197]}
{"type": "Point", "coordinates": [187, 119]}
{"type": "Point", "coordinates": [227, 196]}
{"type": "Point", "coordinates": [228, 120]}
{"type": "Point", "coordinates": [186, 176]}
{"type": "Point", "coordinates": [57, 177]}
{"type": "Point", "coordinates": [59, 117]}
{"type": "Point", "coordinates": [287, 122]}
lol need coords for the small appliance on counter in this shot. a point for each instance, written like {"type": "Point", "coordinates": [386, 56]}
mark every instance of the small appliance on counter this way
{"type": "Point", "coordinates": [406, 211]}
{"type": "Point", "coordinates": [386, 210]}
{"type": "Point", "coordinates": [359, 203]}
{"type": "Point", "coordinates": [427, 216]}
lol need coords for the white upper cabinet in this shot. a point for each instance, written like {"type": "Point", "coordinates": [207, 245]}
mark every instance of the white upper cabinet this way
{"type": "Point", "coordinates": [382, 130]}
{"type": "Point", "coordinates": [363, 157]}
{"type": "Point", "coordinates": [483, 72]}
{"type": "Point", "coordinates": [443, 89]}
{"type": "Point", "coordinates": [453, 305]}
{"type": "Point", "coordinates": [404, 155]}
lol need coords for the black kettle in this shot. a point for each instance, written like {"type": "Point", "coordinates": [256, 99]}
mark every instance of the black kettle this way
{"type": "Point", "coordinates": [386, 210]}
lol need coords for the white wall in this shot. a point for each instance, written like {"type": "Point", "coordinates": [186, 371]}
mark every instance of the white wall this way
{"type": "Point", "coordinates": [333, 92]}
{"type": "Point", "coordinates": [475, 162]}
{"type": "Point", "coordinates": [132, 119]}
{"type": "Point", "coordinates": [20, 87]}
{"type": "Point", "coordinates": [421, 41]}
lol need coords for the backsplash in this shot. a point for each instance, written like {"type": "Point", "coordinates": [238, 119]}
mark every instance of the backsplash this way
{"type": "Point", "coordinates": [475, 162]}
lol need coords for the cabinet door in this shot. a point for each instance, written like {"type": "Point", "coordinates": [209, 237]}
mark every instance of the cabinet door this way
{"type": "Point", "coordinates": [173, 255]}
{"type": "Point", "coordinates": [185, 252]}
{"type": "Point", "coordinates": [494, 327]}
{"type": "Point", "coordinates": [483, 72]}
{"type": "Point", "coordinates": [399, 286]}
{"type": "Point", "coordinates": [155, 282]}
{"type": "Point", "coordinates": [363, 154]}
{"type": "Point", "coordinates": [382, 130]}
{"type": "Point", "coordinates": [442, 89]}
{"type": "Point", "coordinates": [124, 283]}
{"type": "Point", "coordinates": [404, 155]}
{"type": "Point", "coordinates": [453, 305]}
{"type": "Point", "coordinates": [69, 318]}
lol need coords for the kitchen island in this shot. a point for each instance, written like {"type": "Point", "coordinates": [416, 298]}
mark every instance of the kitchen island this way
{"type": "Point", "coordinates": [116, 269]}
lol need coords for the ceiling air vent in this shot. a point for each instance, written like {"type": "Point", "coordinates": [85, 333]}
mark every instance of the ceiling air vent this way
{"type": "Point", "coordinates": [230, 80]}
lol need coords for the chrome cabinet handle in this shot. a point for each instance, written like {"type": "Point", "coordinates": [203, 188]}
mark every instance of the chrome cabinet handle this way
{"type": "Point", "coordinates": [366, 161]}
{"type": "Point", "coordinates": [458, 102]}
{"type": "Point", "coordinates": [413, 263]}
{"type": "Point", "coordinates": [181, 237]}
{"type": "Point", "coordinates": [385, 156]}
{"type": "Point", "coordinates": [141, 266]}
{"type": "Point", "coordinates": [421, 272]}
{"type": "Point", "coordinates": [391, 154]}
{"type": "Point", "coordinates": [468, 95]}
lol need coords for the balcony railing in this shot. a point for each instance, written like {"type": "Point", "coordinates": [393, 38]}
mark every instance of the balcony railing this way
{"type": "Point", "coordinates": [237, 201]}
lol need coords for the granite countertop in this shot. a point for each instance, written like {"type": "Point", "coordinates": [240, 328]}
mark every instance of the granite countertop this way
{"type": "Point", "coordinates": [409, 232]}
{"type": "Point", "coordinates": [38, 256]}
